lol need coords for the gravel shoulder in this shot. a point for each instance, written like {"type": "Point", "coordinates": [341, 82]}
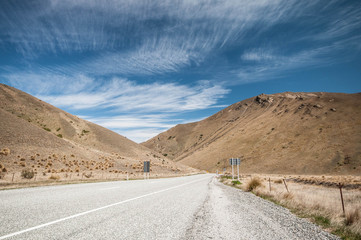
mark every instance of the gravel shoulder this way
{"type": "Point", "coordinates": [230, 213]}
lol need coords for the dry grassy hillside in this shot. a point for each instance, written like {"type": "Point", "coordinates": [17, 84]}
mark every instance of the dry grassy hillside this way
{"type": "Point", "coordinates": [39, 137]}
{"type": "Point", "coordinates": [293, 133]}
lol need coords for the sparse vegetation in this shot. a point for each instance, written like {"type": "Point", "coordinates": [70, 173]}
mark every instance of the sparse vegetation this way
{"type": "Point", "coordinates": [89, 175]}
{"type": "Point", "coordinates": [58, 129]}
{"type": "Point", "coordinates": [253, 184]}
{"type": "Point", "coordinates": [27, 173]}
{"type": "Point", "coordinates": [352, 217]}
{"type": "Point", "coordinates": [60, 135]}
{"type": "Point", "coordinates": [322, 221]}
{"type": "Point", "coordinates": [5, 151]}
{"type": "Point", "coordinates": [236, 182]}
{"type": "Point", "coordinates": [47, 129]}
{"type": "Point", "coordinates": [54, 177]}
{"type": "Point", "coordinates": [318, 203]}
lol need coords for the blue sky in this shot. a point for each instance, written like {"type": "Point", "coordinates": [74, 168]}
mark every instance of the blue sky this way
{"type": "Point", "coordinates": [141, 67]}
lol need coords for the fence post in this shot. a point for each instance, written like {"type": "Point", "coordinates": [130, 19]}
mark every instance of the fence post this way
{"type": "Point", "coordinates": [285, 185]}
{"type": "Point", "coordinates": [269, 181]}
{"type": "Point", "coordinates": [12, 179]}
{"type": "Point", "coordinates": [340, 185]}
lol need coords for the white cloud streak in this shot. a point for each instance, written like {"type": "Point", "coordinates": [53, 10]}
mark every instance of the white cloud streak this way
{"type": "Point", "coordinates": [268, 65]}
{"type": "Point", "coordinates": [154, 37]}
{"type": "Point", "coordinates": [126, 107]}
{"type": "Point", "coordinates": [125, 96]}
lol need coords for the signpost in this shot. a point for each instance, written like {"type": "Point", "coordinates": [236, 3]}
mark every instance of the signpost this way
{"type": "Point", "coordinates": [146, 169]}
{"type": "Point", "coordinates": [235, 161]}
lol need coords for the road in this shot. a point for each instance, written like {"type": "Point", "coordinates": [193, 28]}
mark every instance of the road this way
{"type": "Point", "coordinates": [193, 207]}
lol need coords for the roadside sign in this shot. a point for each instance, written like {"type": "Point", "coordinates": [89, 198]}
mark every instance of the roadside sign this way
{"type": "Point", "coordinates": [146, 166]}
{"type": "Point", "coordinates": [234, 161]}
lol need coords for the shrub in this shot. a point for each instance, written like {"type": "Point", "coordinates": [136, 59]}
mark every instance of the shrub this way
{"type": "Point", "coordinates": [288, 196]}
{"type": "Point", "coordinates": [47, 129]}
{"type": "Point", "coordinates": [54, 177]}
{"type": "Point", "coordinates": [60, 135]}
{"type": "Point", "coordinates": [253, 184]}
{"type": "Point", "coordinates": [236, 182]}
{"type": "Point", "coordinates": [89, 175]}
{"type": "Point", "coordinates": [28, 174]}
{"type": "Point", "coordinates": [352, 217]}
{"type": "Point", "coordinates": [323, 221]}
{"type": "Point", "coordinates": [5, 151]}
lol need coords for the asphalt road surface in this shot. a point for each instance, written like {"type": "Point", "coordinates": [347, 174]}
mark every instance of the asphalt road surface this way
{"type": "Point", "coordinates": [194, 207]}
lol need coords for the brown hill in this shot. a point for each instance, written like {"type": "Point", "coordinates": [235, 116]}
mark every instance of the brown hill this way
{"type": "Point", "coordinates": [290, 133]}
{"type": "Point", "coordinates": [37, 136]}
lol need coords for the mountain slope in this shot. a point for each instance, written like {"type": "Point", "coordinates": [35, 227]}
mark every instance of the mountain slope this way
{"type": "Point", "coordinates": [291, 133]}
{"type": "Point", "coordinates": [45, 139]}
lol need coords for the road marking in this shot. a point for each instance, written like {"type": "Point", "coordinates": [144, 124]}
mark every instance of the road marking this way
{"type": "Point", "coordinates": [96, 209]}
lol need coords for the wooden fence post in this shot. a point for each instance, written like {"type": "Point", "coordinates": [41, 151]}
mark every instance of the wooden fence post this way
{"type": "Point", "coordinates": [285, 185]}
{"type": "Point", "coordinates": [340, 185]}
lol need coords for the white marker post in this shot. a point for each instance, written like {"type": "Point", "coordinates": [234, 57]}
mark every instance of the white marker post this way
{"type": "Point", "coordinates": [232, 169]}
{"type": "Point", "coordinates": [238, 163]}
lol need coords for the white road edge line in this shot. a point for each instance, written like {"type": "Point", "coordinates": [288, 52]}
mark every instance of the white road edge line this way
{"type": "Point", "coordinates": [94, 210]}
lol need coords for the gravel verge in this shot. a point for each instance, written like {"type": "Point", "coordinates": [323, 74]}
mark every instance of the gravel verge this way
{"type": "Point", "coordinates": [230, 213]}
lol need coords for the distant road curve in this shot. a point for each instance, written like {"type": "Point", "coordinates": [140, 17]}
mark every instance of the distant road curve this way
{"type": "Point", "coordinates": [194, 207]}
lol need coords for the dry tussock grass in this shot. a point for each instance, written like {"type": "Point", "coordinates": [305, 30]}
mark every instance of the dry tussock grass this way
{"type": "Point", "coordinates": [253, 184]}
{"type": "Point", "coordinates": [314, 200]}
{"type": "Point", "coordinates": [54, 177]}
{"type": "Point", "coordinates": [5, 151]}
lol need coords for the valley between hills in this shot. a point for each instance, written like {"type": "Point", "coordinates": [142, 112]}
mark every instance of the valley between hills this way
{"type": "Point", "coordinates": [285, 133]}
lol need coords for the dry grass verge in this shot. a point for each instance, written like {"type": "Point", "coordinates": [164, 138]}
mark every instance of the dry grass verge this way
{"type": "Point", "coordinates": [319, 204]}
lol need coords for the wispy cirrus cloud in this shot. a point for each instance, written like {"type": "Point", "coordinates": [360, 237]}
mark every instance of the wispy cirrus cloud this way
{"type": "Point", "coordinates": [123, 95]}
{"type": "Point", "coordinates": [126, 58]}
{"type": "Point", "coordinates": [142, 37]}
{"type": "Point", "coordinates": [267, 64]}
{"type": "Point", "coordinates": [126, 107]}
